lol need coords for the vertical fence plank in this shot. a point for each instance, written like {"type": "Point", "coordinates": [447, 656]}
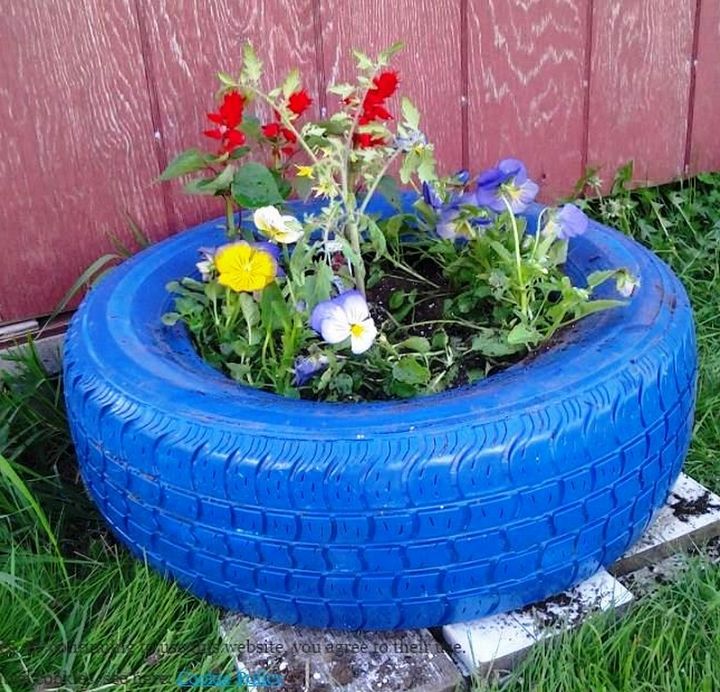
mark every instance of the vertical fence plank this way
{"type": "Point", "coordinates": [77, 144]}
{"type": "Point", "coordinates": [639, 86]}
{"type": "Point", "coordinates": [191, 40]}
{"type": "Point", "coordinates": [705, 142]}
{"type": "Point", "coordinates": [526, 70]}
{"type": "Point", "coordinates": [429, 65]}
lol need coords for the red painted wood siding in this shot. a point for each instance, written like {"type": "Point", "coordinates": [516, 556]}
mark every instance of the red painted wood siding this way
{"type": "Point", "coordinates": [97, 96]}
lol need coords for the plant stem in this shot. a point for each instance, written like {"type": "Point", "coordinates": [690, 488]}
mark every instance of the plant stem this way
{"type": "Point", "coordinates": [518, 259]}
{"type": "Point", "coordinates": [376, 182]}
{"type": "Point", "coordinates": [286, 122]}
{"type": "Point", "coordinates": [355, 244]}
{"type": "Point", "coordinates": [230, 217]}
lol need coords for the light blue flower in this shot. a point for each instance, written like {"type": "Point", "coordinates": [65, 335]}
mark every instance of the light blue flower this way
{"type": "Point", "coordinates": [343, 317]}
{"type": "Point", "coordinates": [308, 366]}
{"type": "Point", "coordinates": [411, 141]}
{"type": "Point", "coordinates": [507, 183]}
{"type": "Point", "coordinates": [452, 223]}
{"type": "Point", "coordinates": [567, 222]}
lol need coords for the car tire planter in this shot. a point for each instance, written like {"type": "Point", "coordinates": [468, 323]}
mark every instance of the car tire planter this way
{"type": "Point", "coordinates": [384, 515]}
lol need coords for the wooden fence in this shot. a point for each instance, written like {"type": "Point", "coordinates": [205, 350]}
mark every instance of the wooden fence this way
{"type": "Point", "coordinates": [98, 95]}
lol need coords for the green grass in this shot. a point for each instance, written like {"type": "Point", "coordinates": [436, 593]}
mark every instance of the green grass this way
{"type": "Point", "coordinates": [671, 639]}
{"type": "Point", "coordinates": [78, 613]}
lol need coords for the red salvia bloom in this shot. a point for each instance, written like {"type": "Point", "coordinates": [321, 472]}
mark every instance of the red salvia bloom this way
{"type": "Point", "coordinates": [227, 119]}
{"type": "Point", "coordinates": [364, 140]}
{"type": "Point", "coordinates": [386, 84]}
{"type": "Point", "coordinates": [281, 136]}
{"type": "Point", "coordinates": [271, 130]}
{"type": "Point", "coordinates": [299, 101]}
{"type": "Point", "coordinates": [373, 107]}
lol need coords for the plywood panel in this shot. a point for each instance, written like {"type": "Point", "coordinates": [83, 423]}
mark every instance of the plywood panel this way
{"type": "Point", "coordinates": [77, 144]}
{"type": "Point", "coordinates": [429, 65]}
{"type": "Point", "coordinates": [639, 89]}
{"type": "Point", "coordinates": [189, 41]}
{"type": "Point", "coordinates": [526, 71]}
{"type": "Point", "coordinates": [705, 141]}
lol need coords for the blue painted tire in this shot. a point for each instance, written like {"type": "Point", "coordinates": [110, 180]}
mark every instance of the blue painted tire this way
{"type": "Point", "coordinates": [387, 515]}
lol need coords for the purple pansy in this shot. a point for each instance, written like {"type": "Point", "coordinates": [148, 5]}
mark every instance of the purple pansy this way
{"type": "Point", "coordinates": [507, 183]}
{"type": "Point", "coordinates": [450, 224]}
{"type": "Point", "coordinates": [567, 222]}
{"type": "Point", "coordinates": [308, 366]}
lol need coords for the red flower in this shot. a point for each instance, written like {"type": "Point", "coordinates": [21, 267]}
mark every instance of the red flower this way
{"type": "Point", "coordinates": [386, 84]}
{"type": "Point", "coordinates": [281, 136]}
{"type": "Point", "coordinates": [271, 130]}
{"type": "Point", "coordinates": [299, 101]}
{"type": "Point", "coordinates": [373, 107]}
{"type": "Point", "coordinates": [365, 140]}
{"type": "Point", "coordinates": [228, 118]}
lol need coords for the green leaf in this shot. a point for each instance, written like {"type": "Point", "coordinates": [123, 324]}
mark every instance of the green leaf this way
{"type": "Point", "coordinates": [594, 279]}
{"type": "Point", "coordinates": [249, 309]}
{"type": "Point", "coordinates": [254, 186]}
{"type": "Point", "coordinates": [377, 238]}
{"type": "Point", "coordinates": [593, 306]}
{"type": "Point", "coordinates": [410, 113]}
{"type": "Point", "coordinates": [239, 371]}
{"type": "Point", "coordinates": [188, 161]}
{"type": "Point", "coordinates": [226, 80]}
{"type": "Point", "coordinates": [522, 334]}
{"type": "Point", "coordinates": [410, 371]}
{"type": "Point", "coordinates": [409, 166]}
{"type": "Point", "coordinates": [252, 66]}
{"type": "Point", "coordinates": [440, 339]}
{"type": "Point", "coordinates": [170, 318]}
{"type": "Point", "coordinates": [252, 127]}
{"type": "Point", "coordinates": [363, 61]}
{"type": "Point", "coordinates": [274, 311]}
{"type": "Point", "coordinates": [397, 298]}
{"type": "Point", "coordinates": [426, 167]}
{"type": "Point", "coordinates": [494, 345]}
{"type": "Point", "coordinates": [319, 284]}
{"type": "Point", "coordinates": [419, 344]}
{"type": "Point", "coordinates": [214, 290]}
{"type": "Point", "coordinates": [211, 186]}
{"type": "Point", "coordinates": [342, 90]}
{"type": "Point", "coordinates": [387, 54]}
{"type": "Point", "coordinates": [291, 83]}
{"type": "Point", "coordinates": [388, 188]}
{"type": "Point", "coordinates": [503, 252]}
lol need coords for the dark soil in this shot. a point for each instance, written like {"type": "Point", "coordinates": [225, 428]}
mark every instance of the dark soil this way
{"type": "Point", "coordinates": [683, 509]}
{"type": "Point", "coordinates": [543, 611]}
{"type": "Point", "coordinates": [425, 310]}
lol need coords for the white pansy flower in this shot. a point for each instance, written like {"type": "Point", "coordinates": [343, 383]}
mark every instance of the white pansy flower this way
{"type": "Point", "coordinates": [282, 228]}
{"type": "Point", "coordinates": [346, 316]}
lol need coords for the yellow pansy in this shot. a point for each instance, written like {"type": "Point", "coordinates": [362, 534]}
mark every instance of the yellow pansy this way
{"type": "Point", "coordinates": [245, 267]}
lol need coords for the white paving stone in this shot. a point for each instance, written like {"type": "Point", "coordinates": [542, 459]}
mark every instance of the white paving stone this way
{"type": "Point", "coordinates": [499, 641]}
{"type": "Point", "coordinates": [690, 517]}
